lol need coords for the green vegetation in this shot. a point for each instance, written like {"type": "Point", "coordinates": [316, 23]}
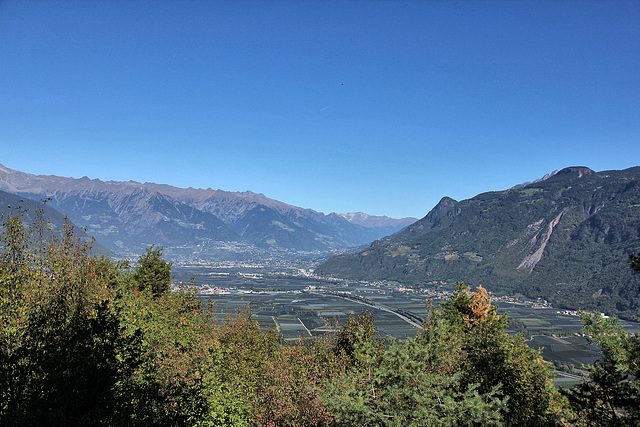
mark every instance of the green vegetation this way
{"type": "Point", "coordinates": [462, 369]}
{"type": "Point", "coordinates": [153, 272]}
{"type": "Point", "coordinates": [565, 239]}
{"type": "Point", "coordinates": [611, 397]}
{"type": "Point", "coordinates": [85, 340]}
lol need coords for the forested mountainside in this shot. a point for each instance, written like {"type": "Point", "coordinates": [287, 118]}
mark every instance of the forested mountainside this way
{"type": "Point", "coordinates": [566, 239]}
{"type": "Point", "coordinates": [129, 216]}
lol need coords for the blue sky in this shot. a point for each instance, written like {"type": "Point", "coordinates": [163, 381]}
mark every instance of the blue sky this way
{"type": "Point", "coordinates": [338, 106]}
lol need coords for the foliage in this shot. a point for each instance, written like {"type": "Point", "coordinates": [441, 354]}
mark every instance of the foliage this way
{"type": "Point", "coordinates": [153, 272]}
{"type": "Point", "coordinates": [634, 261]}
{"type": "Point", "coordinates": [85, 340]}
{"type": "Point", "coordinates": [291, 383]}
{"type": "Point", "coordinates": [462, 369]}
{"type": "Point", "coordinates": [65, 358]}
{"type": "Point", "coordinates": [356, 334]}
{"type": "Point", "coordinates": [489, 358]}
{"type": "Point", "coordinates": [611, 396]}
{"type": "Point", "coordinates": [400, 387]}
{"type": "Point", "coordinates": [80, 347]}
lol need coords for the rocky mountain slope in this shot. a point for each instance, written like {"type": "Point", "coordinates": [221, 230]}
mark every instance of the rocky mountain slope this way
{"type": "Point", "coordinates": [566, 238]}
{"type": "Point", "coordinates": [27, 209]}
{"type": "Point", "coordinates": [129, 216]}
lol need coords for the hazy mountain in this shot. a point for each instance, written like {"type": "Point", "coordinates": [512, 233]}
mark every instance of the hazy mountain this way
{"type": "Point", "coordinates": [566, 238]}
{"type": "Point", "coordinates": [28, 211]}
{"type": "Point", "coordinates": [129, 216]}
{"type": "Point", "coordinates": [375, 221]}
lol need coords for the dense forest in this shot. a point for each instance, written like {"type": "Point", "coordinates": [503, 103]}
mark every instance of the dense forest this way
{"type": "Point", "coordinates": [86, 340]}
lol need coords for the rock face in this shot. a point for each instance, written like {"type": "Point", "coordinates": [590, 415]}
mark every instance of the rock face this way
{"type": "Point", "coordinates": [129, 216]}
{"type": "Point", "coordinates": [564, 238]}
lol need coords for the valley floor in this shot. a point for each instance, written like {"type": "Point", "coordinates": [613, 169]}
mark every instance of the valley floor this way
{"type": "Point", "coordinates": [300, 306]}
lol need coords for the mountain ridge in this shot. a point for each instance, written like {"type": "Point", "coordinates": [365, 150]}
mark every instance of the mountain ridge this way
{"type": "Point", "coordinates": [367, 220]}
{"type": "Point", "coordinates": [128, 215]}
{"type": "Point", "coordinates": [565, 239]}
{"type": "Point", "coordinates": [28, 210]}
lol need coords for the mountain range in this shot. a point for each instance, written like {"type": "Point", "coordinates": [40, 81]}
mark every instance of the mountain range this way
{"type": "Point", "coordinates": [127, 217]}
{"type": "Point", "coordinates": [565, 238]}
{"type": "Point", "coordinates": [29, 211]}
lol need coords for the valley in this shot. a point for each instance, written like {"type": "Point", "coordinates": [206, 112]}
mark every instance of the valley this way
{"type": "Point", "coordinates": [542, 249]}
{"type": "Point", "coordinates": [300, 305]}
{"type": "Point", "coordinates": [319, 213]}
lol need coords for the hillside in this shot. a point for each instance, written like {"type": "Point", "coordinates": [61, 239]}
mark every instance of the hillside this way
{"type": "Point", "coordinates": [28, 209]}
{"type": "Point", "coordinates": [566, 239]}
{"type": "Point", "coordinates": [129, 216]}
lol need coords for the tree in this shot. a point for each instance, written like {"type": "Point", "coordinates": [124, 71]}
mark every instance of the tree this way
{"type": "Point", "coordinates": [611, 395]}
{"type": "Point", "coordinates": [487, 357]}
{"type": "Point", "coordinates": [355, 335]}
{"type": "Point", "coordinates": [634, 260]}
{"type": "Point", "coordinates": [461, 369]}
{"type": "Point", "coordinates": [404, 385]}
{"type": "Point", "coordinates": [65, 358]}
{"type": "Point", "coordinates": [411, 383]}
{"type": "Point", "coordinates": [153, 272]}
{"type": "Point", "coordinates": [78, 344]}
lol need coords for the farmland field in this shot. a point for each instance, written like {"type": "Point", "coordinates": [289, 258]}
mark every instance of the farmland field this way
{"type": "Point", "coordinates": [301, 307]}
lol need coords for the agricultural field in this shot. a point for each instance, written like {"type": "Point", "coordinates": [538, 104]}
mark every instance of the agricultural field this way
{"type": "Point", "coordinates": [302, 307]}
{"type": "Point", "coordinates": [303, 314]}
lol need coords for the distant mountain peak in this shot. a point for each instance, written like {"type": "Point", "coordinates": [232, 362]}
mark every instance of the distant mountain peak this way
{"type": "Point", "coordinates": [366, 220]}
{"type": "Point", "coordinates": [544, 178]}
{"type": "Point", "coordinates": [447, 201]}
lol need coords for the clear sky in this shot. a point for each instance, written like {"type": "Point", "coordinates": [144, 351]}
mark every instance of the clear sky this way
{"type": "Point", "coordinates": [338, 106]}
